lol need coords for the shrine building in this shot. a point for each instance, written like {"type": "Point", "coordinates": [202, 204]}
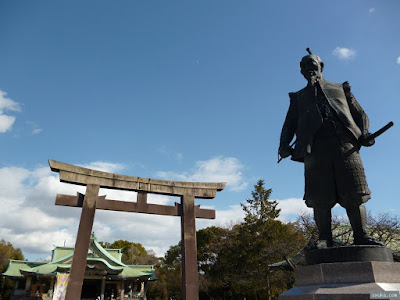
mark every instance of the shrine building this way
{"type": "Point", "coordinates": [105, 274]}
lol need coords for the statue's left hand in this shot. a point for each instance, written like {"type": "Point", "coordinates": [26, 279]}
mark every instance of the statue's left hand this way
{"type": "Point", "coordinates": [285, 151]}
{"type": "Point", "coordinates": [366, 141]}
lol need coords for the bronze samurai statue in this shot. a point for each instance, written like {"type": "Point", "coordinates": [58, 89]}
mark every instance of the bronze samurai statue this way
{"type": "Point", "coordinates": [330, 127]}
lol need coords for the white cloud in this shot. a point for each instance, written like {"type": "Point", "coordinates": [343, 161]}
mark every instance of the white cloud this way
{"type": "Point", "coordinates": [105, 166]}
{"type": "Point", "coordinates": [398, 60]}
{"type": "Point", "coordinates": [30, 220]}
{"type": "Point", "coordinates": [344, 53]}
{"type": "Point", "coordinates": [6, 104]}
{"type": "Point", "coordinates": [291, 208]}
{"type": "Point", "coordinates": [371, 10]}
{"type": "Point", "coordinates": [28, 217]}
{"type": "Point", "coordinates": [218, 169]}
{"type": "Point", "coordinates": [6, 122]}
{"type": "Point", "coordinates": [223, 218]}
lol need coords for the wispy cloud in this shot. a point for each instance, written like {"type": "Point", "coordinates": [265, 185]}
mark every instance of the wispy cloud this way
{"type": "Point", "coordinates": [371, 10]}
{"type": "Point", "coordinates": [218, 169]}
{"type": "Point", "coordinates": [171, 153]}
{"type": "Point", "coordinates": [37, 131]}
{"type": "Point", "coordinates": [6, 104]}
{"type": "Point", "coordinates": [398, 60]}
{"type": "Point", "coordinates": [344, 53]}
{"type": "Point", "coordinates": [34, 127]}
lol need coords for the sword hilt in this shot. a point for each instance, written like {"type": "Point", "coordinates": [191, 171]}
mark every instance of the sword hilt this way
{"type": "Point", "coordinates": [380, 131]}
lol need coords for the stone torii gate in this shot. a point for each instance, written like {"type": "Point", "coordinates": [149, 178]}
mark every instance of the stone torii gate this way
{"type": "Point", "coordinates": [94, 180]}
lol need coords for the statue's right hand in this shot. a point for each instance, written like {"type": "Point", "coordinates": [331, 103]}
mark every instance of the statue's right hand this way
{"type": "Point", "coordinates": [285, 151]}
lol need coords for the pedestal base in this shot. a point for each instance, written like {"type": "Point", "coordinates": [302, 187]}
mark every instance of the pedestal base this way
{"type": "Point", "coordinates": [345, 280]}
{"type": "Point", "coordinates": [348, 254]}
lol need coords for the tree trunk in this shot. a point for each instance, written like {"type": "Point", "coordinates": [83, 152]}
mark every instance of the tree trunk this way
{"type": "Point", "coordinates": [268, 286]}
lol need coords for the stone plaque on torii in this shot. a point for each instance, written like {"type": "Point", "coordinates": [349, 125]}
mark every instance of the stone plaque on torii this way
{"type": "Point", "coordinates": [94, 180]}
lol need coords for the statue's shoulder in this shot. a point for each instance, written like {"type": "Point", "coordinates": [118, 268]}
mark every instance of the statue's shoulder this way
{"type": "Point", "coordinates": [345, 85]}
{"type": "Point", "coordinates": [337, 89]}
{"type": "Point", "coordinates": [347, 88]}
{"type": "Point", "coordinates": [295, 95]}
{"type": "Point", "coordinates": [332, 85]}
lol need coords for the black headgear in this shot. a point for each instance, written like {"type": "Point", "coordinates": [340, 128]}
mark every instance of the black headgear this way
{"type": "Point", "coordinates": [312, 56]}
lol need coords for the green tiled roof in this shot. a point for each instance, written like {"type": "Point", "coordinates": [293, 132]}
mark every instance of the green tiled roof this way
{"type": "Point", "coordinates": [60, 252]}
{"type": "Point", "coordinates": [15, 266]}
{"type": "Point", "coordinates": [139, 271]}
{"type": "Point", "coordinates": [99, 251]}
{"type": "Point", "coordinates": [107, 259]}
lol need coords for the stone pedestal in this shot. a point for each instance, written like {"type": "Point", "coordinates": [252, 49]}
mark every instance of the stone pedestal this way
{"type": "Point", "coordinates": [345, 281]}
{"type": "Point", "coordinates": [348, 254]}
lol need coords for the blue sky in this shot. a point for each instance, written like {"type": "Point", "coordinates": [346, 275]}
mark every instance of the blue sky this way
{"type": "Point", "coordinates": [180, 90]}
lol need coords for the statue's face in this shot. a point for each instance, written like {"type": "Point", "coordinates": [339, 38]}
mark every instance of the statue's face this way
{"type": "Point", "coordinates": [311, 70]}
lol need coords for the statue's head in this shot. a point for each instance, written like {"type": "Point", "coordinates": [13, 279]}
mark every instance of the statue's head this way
{"type": "Point", "coordinates": [311, 67]}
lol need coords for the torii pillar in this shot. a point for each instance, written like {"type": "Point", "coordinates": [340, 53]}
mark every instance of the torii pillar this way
{"type": "Point", "coordinates": [187, 210]}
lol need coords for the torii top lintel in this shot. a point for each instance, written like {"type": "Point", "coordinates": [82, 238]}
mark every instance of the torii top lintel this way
{"type": "Point", "coordinates": [84, 176]}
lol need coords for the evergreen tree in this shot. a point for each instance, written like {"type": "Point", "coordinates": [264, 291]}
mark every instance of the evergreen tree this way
{"type": "Point", "coordinates": [260, 208]}
{"type": "Point", "coordinates": [234, 262]}
{"type": "Point", "coordinates": [263, 240]}
{"type": "Point", "coordinates": [7, 252]}
{"type": "Point", "coordinates": [133, 253]}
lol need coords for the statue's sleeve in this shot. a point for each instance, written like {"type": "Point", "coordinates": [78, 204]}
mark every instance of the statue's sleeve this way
{"type": "Point", "coordinates": [358, 114]}
{"type": "Point", "coordinates": [290, 125]}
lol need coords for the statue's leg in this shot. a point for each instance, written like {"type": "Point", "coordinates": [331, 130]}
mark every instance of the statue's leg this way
{"type": "Point", "coordinates": [357, 216]}
{"type": "Point", "coordinates": [323, 220]}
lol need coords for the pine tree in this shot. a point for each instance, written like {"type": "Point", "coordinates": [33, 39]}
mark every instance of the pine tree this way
{"type": "Point", "coordinates": [260, 208]}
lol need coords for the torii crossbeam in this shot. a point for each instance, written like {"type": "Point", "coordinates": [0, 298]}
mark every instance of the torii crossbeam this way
{"type": "Point", "coordinates": [94, 180]}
